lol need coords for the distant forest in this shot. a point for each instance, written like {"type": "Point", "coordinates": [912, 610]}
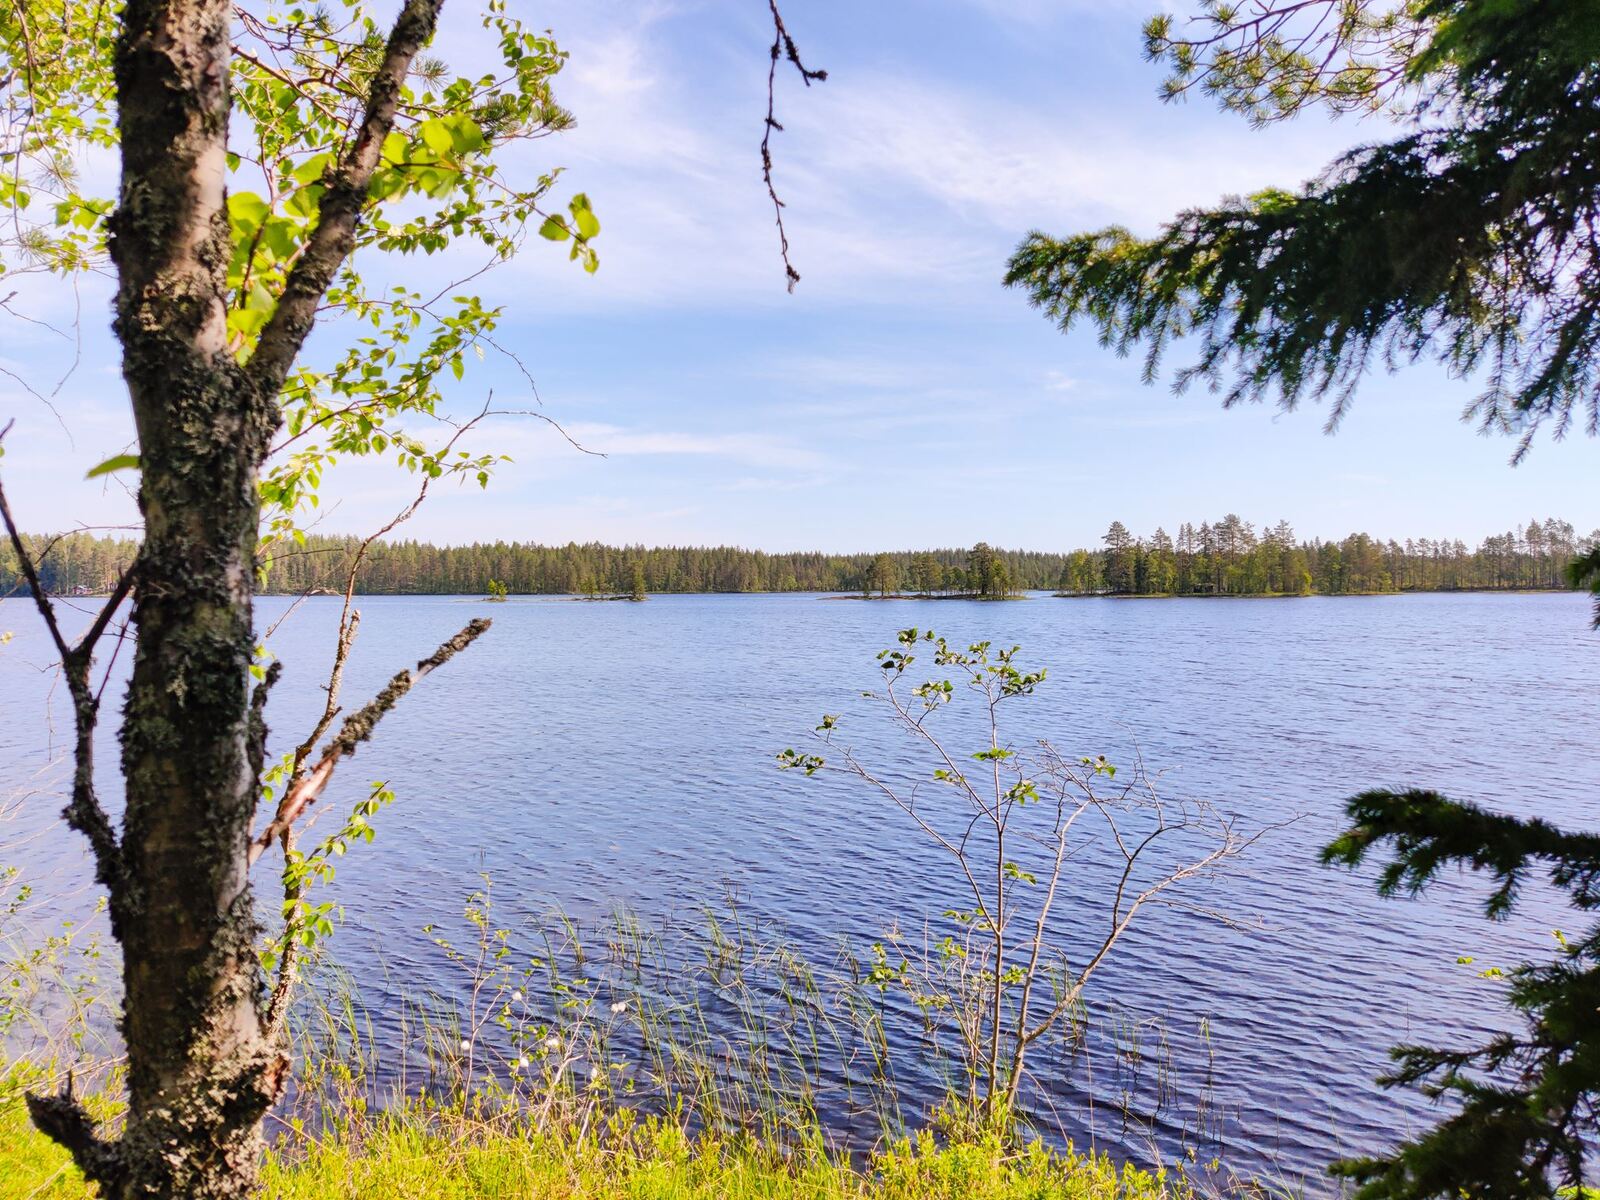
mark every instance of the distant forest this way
{"type": "Point", "coordinates": [1227, 557]}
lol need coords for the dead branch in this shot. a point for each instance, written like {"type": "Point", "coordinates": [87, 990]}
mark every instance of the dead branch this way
{"type": "Point", "coordinates": [358, 728]}
{"type": "Point", "coordinates": [782, 46]}
{"type": "Point", "coordinates": [83, 813]}
{"type": "Point", "coordinates": [64, 1120]}
{"type": "Point", "coordinates": [350, 617]}
{"type": "Point", "coordinates": [349, 624]}
{"type": "Point", "coordinates": [29, 572]}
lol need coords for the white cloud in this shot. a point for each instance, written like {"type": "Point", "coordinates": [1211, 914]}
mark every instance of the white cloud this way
{"type": "Point", "coordinates": [1003, 166]}
{"type": "Point", "coordinates": [1032, 15]}
{"type": "Point", "coordinates": [532, 442]}
{"type": "Point", "coordinates": [752, 449]}
{"type": "Point", "coordinates": [893, 182]}
{"type": "Point", "coordinates": [768, 483]}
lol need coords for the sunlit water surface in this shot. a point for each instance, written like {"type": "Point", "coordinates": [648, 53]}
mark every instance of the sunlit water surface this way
{"type": "Point", "coordinates": [589, 755]}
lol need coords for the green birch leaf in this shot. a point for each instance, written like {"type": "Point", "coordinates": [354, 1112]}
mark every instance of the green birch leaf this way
{"type": "Point", "coordinates": [117, 462]}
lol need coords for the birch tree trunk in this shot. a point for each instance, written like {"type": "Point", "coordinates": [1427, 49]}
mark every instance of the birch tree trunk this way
{"type": "Point", "coordinates": [202, 1069]}
{"type": "Point", "coordinates": [200, 1073]}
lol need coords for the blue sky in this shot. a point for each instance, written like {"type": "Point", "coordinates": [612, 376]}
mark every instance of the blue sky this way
{"type": "Point", "coordinates": [901, 397]}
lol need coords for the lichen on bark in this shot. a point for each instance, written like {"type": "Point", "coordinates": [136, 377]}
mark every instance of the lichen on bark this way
{"type": "Point", "coordinates": [203, 1068]}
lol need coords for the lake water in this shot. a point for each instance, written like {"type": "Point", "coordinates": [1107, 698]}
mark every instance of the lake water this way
{"type": "Point", "coordinates": [586, 755]}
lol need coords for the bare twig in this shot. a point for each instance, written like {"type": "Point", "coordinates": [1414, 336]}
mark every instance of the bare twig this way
{"type": "Point", "coordinates": [782, 46]}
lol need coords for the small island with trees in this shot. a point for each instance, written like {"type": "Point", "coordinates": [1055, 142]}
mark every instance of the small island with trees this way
{"type": "Point", "coordinates": [984, 576]}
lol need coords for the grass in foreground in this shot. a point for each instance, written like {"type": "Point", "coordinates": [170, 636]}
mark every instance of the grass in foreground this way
{"type": "Point", "coordinates": [451, 1155]}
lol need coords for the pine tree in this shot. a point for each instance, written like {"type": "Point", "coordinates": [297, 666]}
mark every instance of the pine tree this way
{"type": "Point", "coordinates": [1119, 559]}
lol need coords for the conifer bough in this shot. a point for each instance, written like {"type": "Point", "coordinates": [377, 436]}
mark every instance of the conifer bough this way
{"type": "Point", "coordinates": [1469, 240]}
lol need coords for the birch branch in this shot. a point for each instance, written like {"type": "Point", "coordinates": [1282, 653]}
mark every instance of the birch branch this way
{"type": "Point", "coordinates": [357, 728]}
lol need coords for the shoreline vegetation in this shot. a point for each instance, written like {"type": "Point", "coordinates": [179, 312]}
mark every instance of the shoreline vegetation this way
{"type": "Point", "coordinates": [1229, 557]}
{"type": "Point", "coordinates": [595, 1068]}
{"type": "Point", "coordinates": [460, 1152]}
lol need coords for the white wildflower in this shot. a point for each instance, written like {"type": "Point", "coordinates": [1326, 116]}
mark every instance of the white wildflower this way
{"type": "Point", "coordinates": [516, 997]}
{"type": "Point", "coordinates": [552, 1043]}
{"type": "Point", "coordinates": [620, 1006]}
{"type": "Point", "coordinates": [465, 1045]}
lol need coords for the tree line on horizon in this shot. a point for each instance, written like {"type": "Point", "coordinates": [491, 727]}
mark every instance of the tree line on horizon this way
{"type": "Point", "coordinates": [1230, 556]}
{"type": "Point", "coordinates": [1465, 234]}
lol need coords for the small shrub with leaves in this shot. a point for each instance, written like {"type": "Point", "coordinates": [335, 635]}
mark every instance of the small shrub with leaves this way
{"type": "Point", "coordinates": [993, 972]}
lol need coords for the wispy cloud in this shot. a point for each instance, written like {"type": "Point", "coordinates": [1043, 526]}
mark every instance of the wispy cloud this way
{"type": "Point", "coordinates": [1008, 167]}
{"type": "Point", "coordinates": [753, 449]}
{"type": "Point", "coordinates": [768, 483]}
{"type": "Point", "coordinates": [892, 181]}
